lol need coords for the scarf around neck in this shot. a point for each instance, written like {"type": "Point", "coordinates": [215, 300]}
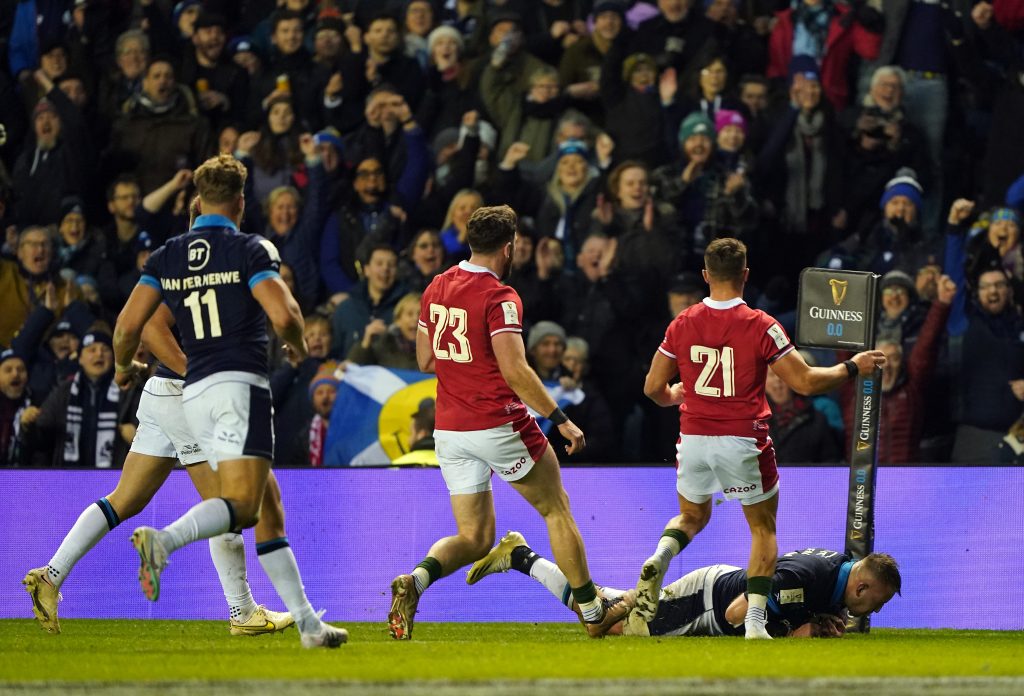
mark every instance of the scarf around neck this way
{"type": "Point", "coordinates": [91, 422]}
{"type": "Point", "coordinates": [805, 160]}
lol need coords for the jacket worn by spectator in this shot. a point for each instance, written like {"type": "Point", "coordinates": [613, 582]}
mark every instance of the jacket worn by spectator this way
{"type": "Point", "coordinates": [351, 317]}
{"type": "Point", "coordinates": [801, 433]}
{"type": "Point", "coordinates": [77, 425]}
{"type": "Point", "coordinates": [633, 117]}
{"type": "Point", "coordinates": [904, 408]}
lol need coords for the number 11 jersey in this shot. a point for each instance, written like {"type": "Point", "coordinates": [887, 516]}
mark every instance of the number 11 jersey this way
{"type": "Point", "coordinates": [205, 277]}
{"type": "Point", "coordinates": [461, 310]}
{"type": "Point", "coordinates": [723, 350]}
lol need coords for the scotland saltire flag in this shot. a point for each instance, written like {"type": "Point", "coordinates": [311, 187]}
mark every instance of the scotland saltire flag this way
{"type": "Point", "coordinates": [370, 420]}
{"type": "Point", "coordinates": [373, 409]}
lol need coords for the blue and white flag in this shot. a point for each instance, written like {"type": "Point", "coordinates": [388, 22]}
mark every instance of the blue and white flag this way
{"type": "Point", "coordinates": [372, 412]}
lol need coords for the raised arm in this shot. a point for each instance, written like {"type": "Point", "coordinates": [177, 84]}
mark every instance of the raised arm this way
{"type": "Point", "coordinates": [511, 355]}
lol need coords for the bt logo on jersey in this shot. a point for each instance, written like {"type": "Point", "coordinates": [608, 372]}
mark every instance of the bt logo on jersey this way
{"type": "Point", "coordinates": [198, 254]}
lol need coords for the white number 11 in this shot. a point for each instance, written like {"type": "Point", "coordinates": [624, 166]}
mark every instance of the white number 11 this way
{"type": "Point", "coordinates": [712, 357]}
{"type": "Point", "coordinates": [209, 299]}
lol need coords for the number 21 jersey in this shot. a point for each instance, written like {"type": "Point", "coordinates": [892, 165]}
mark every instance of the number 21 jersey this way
{"type": "Point", "coordinates": [206, 278]}
{"type": "Point", "coordinates": [723, 350]}
{"type": "Point", "coordinates": [460, 311]}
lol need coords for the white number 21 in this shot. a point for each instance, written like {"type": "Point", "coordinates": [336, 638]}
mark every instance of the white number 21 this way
{"type": "Point", "coordinates": [712, 357]}
{"type": "Point", "coordinates": [443, 317]}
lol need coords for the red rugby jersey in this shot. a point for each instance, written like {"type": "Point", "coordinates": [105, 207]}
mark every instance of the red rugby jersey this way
{"type": "Point", "coordinates": [461, 310]}
{"type": "Point", "coordinates": [723, 350]}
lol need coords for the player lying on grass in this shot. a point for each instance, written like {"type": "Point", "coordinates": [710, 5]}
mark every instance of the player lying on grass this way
{"type": "Point", "coordinates": [163, 438]}
{"type": "Point", "coordinates": [813, 591]}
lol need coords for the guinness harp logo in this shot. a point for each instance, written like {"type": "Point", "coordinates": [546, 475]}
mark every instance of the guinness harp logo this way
{"type": "Point", "coordinates": [838, 290]}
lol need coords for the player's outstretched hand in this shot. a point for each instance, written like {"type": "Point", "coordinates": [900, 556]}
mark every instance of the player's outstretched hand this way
{"type": "Point", "coordinates": [868, 360]}
{"type": "Point", "coordinates": [831, 626]}
{"type": "Point", "coordinates": [127, 377]}
{"type": "Point", "coordinates": [574, 435]}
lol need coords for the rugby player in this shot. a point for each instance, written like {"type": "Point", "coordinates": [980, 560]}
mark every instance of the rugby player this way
{"type": "Point", "coordinates": [721, 350]}
{"type": "Point", "coordinates": [812, 593]}
{"type": "Point", "coordinates": [161, 440]}
{"type": "Point", "coordinates": [470, 334]}
{"type": "Point", "coordinates": [221, 286]}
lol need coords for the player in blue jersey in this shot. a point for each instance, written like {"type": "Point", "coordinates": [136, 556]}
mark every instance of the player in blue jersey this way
{"type": "Point", "coordinates": [221, 286]}
{"type": "Point", "coordinates": [813, 592]}
{"type": "Point", "coordinates": [161, 440]}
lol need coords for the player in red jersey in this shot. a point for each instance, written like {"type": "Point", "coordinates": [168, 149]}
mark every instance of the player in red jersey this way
{"type": "Point", "coordinates": [470, 334]}
{"type": "Point", "coordinates": [721, 350]}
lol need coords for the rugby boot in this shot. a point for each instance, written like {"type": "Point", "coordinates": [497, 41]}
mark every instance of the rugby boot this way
{"type": "Point", "coordinates": [648, 590]}
{"type": "Point", "coordinates": [262, 621]}
{"type": "Point", "coordinates": [497, 560]}
{"type": "Point", "coordinates": [44, 596]}
{"type": "Point", "coordinates": [404, 599]}
{"type": "Point", "coordinates": [153, 559]}
{"type": "Point", "coordinates": [327, 637]}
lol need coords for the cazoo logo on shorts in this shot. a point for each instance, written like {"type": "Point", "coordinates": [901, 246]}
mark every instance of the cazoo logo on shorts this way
{"type": "Point", "coordinates": [741, 489]}
{"type": "Point", "coordinates": [517, 467]}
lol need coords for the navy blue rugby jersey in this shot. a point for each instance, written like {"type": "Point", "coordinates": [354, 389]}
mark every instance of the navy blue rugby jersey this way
{"type": "Point", "coordinates": [206, 277]}
{"type": "Point", "coordinates": [161, 369]}
{"type": "Point", "coordinates": [807, 582]}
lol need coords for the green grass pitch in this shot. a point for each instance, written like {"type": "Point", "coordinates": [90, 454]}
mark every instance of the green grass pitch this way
{"type": "Point", "coordinates": [141, 651]}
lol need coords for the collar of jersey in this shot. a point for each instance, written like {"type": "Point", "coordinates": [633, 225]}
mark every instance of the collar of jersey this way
{"type": "Point", "coordinates": [473, 268]}
{"type": "Point", "coordinates": [213, 221]}
{"type": "Point", "coordinates": [844, 575]}
{"type": "Point", "coordinates": [723, 304]}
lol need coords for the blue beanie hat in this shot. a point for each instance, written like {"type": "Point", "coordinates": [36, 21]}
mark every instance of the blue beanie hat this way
{"type": "Point", "coordinates": [804, 65]}
{"type": "Point", "coordinates": [1005, 214]}
{"type": "Point", "coordinates": [573, 147]}
{"type": "Point", "coordinates": [902, 185]}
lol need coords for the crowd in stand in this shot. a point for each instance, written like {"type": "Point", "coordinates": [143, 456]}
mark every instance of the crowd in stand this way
{"type": "Point", "coordinates": [866, 135]}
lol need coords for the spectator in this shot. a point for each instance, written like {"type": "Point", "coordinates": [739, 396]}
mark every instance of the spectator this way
{"type": "Point", "coordinates": [220, 86]}
{"type": "Point", "coordinates": [678, 37]}
{"type": "Point", "coordinates": [394, 345]}
{"type": "Point", "coordinates": [123, 197]}
{"type": "Point", "coordinates": [421, 437]}
{"type": "Point", "coordinates": [423, 260]}
{"type": "Point", "coordinates": [419, 21]}
{"type": "Point", "coordinates": [547, 351]}
{"type": "Point", "coordinates": [800, 433]}
{"type": "Point", "coordinates": [453, 231]}
{"type": "Point", "coordinates": [124, 83]}
{"type": "Point", "coordinates": [529, 118]}
{"type": "Point", "coordinates": [580, 68]}
{"type": "Point", "coordinates": [904, 385]}
{"type": "Point", "coordinates": [26, 280]}
{"type": "Point", "coordinates": [450, 85]}
{"type": "Point", "coordinates": [902, 312]}
{"type": "Point", "coordinates": [245, 55]}
{"type": "Point", "coordinates": [746, 47]}
{"type": "Point", "coordinates": [289, 386]}
{"type": "Point", "coordinates": [822, 30]}
{"type": "Point", "coordinates": [536, 272]}
{"type": "Point", "coordinates": [14, 404]}
{"type": "Point", "coordinates": [363, 220]}
{"type": "Point", "coordinates": [49, 355]}
{"type": "Point", "coordinates": [633, 110]}
{"type": "Point", "coordinates": [76, 426]}
{"type": "Point", "coordinates": [375, 297]}
{"type": "Point", "coordinates": [753, 92]}
{"type": "Point", "coordinates": [800, 168]}
{"type": "Point", "coordinates": [896, 241]}
{"type": "Point", "coordinates": [386, 63]}
{"type": "Point", "coordinates": [706, 96]}
{"type": "Point", "coordinates": [159, 130]}
{"type": "Point", "coordinates": [80, 247]}
{"type": "Point", "coordinates": [986, 351]}
{"type": "Point", "coordinates": [323, 389]}
{"type": "Point", "coordinates": [290, 66]}
{"type": "Point", "coordinates": [54, 160]}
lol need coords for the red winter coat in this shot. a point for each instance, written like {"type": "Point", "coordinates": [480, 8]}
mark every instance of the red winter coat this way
{"type": "Point", "coordinates": [844, 38]}
{"type": "Point", "coordinates": [903, 408]}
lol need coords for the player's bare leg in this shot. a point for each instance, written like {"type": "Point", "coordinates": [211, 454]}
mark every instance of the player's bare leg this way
{"type": "Point", "coordinates": [241, 492]}
{"type": "Point", "coordinates": [679, 531]}
{"type": "Point", "coordinates": [140, 479]}
{"type": "Point", "coordinates": [474, 520]}
{"type": "Point", "coordinates": [542, 488]}
{"type": "Point", "coordinates": [764, 550]}
{"type": "Point", "coordinates": [228, 553]}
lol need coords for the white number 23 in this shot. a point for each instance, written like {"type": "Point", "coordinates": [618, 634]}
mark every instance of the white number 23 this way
{"type": "Point", "coordinates": [457, 319]}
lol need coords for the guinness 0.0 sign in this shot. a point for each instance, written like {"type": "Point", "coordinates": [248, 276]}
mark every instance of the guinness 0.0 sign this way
{"type": "Point", "coordinates": [836, 309]}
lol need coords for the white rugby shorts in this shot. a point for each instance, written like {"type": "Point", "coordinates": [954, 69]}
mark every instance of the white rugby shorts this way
{"type": "Point", "coordinates": [742, 468]}
{"type": "Point", "coordinates": [232, 415]}
{"type": "Point", "coordinates": [163, 430]}
{"type": "Point", "coordinates": [468, 458]}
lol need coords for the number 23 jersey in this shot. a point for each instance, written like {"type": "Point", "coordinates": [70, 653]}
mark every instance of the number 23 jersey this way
{"type": "Point", "coordinates": [461, 310]}
{"type": "Point", "coordinates": [206, 276]}
{"type": "Point", "coordinates": [723, 350]}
